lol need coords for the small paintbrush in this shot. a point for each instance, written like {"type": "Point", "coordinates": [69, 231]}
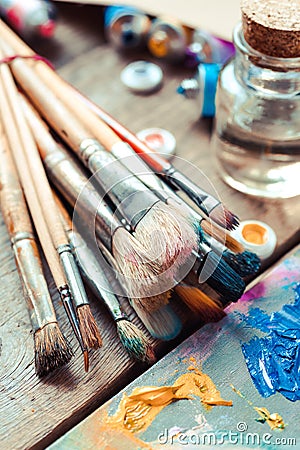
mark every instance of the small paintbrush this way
{"type": "Point", "coordinates": [37, 213]}
{"type": "Point", "coordinates": [133, 340]}
{"type": "Point", "coordinates": [88, 326]}
{"type": "Point", "coordinates": [51, 348]}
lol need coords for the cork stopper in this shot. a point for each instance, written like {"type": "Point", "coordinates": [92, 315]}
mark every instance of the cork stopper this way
{"type": "Point", "coordinates": [272, 27]}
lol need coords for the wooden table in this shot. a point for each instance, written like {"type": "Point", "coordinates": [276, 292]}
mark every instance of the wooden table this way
{"type": "Point", "coordinates": [33, 412]}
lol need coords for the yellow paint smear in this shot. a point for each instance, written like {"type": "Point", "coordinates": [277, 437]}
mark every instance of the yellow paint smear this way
{"type": "Point", "coordinates": [274, 420]}
{"type": "Point", "coordinates": [138, 410]}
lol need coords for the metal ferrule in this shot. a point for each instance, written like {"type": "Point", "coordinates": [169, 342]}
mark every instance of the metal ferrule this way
{"type": "Point", "coordinates": [199, 266]}
{"type": "Point", "coordinates": [36, 291]}
{"type": "Point", "coordinates": [132, 198]}
{"type": "Point", "coordinates": [74, 185]}
{"type": "Point", "coordinates": [73, 275]}
{"type": "Point", "coordinates": [202, 199]}
{"type": "Point", "coordinates": [94, 275]}
{"type": "Point", "coordinates": [66, 299]}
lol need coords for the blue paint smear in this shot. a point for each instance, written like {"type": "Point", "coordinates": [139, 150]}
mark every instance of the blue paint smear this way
{"type": "Point", "coordinates": [274, 360]}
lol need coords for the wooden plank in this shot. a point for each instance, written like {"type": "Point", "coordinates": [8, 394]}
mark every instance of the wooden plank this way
{"type": "Point", "coordinates": [34, 413]}
{"type": "Point", "coordinates": [217, 351]}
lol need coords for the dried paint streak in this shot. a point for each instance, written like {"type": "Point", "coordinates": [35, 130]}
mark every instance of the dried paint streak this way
{"type": "Point", "coordinates": [138, 410]}
{"type": "Point", "coordinates": [274, 361]}
{"type": "Point", "coordinates": [274, 420]}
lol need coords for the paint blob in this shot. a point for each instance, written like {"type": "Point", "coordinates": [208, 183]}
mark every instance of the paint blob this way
{"type": "Point", "coordinates": [274, 360]}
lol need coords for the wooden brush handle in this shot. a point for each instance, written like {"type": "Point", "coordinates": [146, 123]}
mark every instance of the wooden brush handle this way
{"type": "Point", "coordinates": [98, 129]}
{"type": "Point", "coordinates": [34, 162]}
{"type": "Point", "coordinates": [28, 186]}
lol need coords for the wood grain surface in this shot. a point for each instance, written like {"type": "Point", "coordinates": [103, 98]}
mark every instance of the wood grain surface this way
{"type": "Point", "coordinates": [33, 412]}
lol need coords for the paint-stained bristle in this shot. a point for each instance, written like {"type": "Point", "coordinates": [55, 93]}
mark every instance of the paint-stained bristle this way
{"type": "Point", "coordinates": [135, 342]}
{"type": "Point", "coordinates": [162, 324]}
{"type": "Point", "coordinates": [51, 349]}
{"type": "Point", "coordinates": [222, 236]}
{"type": "Point", "coordinates": [222, 278]}
{"type": "Point", "coordinates": [88, 327]}
{"type": "Point", "coordinates": [169, 237]}
{"type": "Point", "coordinates": [155, 302]}
{"type": "Point", "coordinates": [223, 217]}
{"type": "Point", "coordinates": [207, 309]}
{"type": "Point", "coordinates": [245, 263]}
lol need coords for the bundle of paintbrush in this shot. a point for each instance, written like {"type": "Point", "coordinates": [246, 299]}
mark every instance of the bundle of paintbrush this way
{"type": "Point", "coordinates": [153, 239]}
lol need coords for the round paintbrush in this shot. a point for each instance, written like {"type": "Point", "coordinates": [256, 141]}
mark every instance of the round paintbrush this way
{"type": "Point", "coordinates": [143, 210]}
{"type": "Point", "coordinates": [51, 348]}
{"type": "Point", "coordinates": [132, 338]}
{"type": "Point", "coordinates": [66, 174]}
{"type": "Point", "coordinates": [88, 326]}
{"type": "Point", "coordinates": [37, 213]}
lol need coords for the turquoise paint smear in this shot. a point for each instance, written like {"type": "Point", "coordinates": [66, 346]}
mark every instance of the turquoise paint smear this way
{"type": "Point", "coordinates": [274, 360]}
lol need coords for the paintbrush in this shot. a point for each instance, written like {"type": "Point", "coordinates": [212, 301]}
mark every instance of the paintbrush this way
{"type": "Point", "coordinates": [72, 182]}
{"type": "Point", "coordinates": [205, 201]}
{"type": "Point", "coordinates": [133, 340]}
{"type": "Point", "coordinates": [38, 218]}
{"type": "Point", "coordinates": [51, 348]}
{"type": "Point", "coordinates": [88, 326]}
{"type": "Point", "coordinates": [143, 210]}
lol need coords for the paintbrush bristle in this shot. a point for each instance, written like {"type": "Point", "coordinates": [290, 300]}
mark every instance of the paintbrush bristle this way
{"type": "Point", "coordinates": [222, 236]}
{"type": "Point", "coordinates": [207, 309]}
{"type": "Point", "coordinates": [135, 342]}
{"type": "Point", "coordinates": [245, 263]}
{"type": "Point", "coordinates": [89, 329]}
{"type": "Point", "coordinates": [168, 236]}
{"type": "Point", "coordinates": [223, 217]}
{"type": "Point", "coordinates": [222, 278]}
{"type": "Point", "coordinates": [153, 303]}
{"type": "Point", "coordinates": [51, 349]}
{"type": "Point", "coordinates": [162, 324]}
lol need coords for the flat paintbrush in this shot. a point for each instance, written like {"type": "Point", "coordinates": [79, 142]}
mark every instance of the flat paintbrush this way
{"type": "Point", "coordinates": [143, 210]}
{"type": "Point", "coordinates": [51, 348]}
{"type": "Point", "coordinates": [37, 215]}
{"type": "Point", "coordinates": [133, 340]}
{"type": "Point", "coordinates": [72, 182]}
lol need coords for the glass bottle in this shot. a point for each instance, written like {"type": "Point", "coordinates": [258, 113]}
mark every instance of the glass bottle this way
{"type": "Point", "coordinates": [256, 137]}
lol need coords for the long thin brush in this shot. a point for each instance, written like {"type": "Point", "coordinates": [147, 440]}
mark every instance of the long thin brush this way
{"type": "Point", "coordinates": [71, 181]}
{"type": "Point", "coordinates": [205, 201]}
{"type": "Point", "coordinates": [51, 348]}
{"type": "Point", "coordinates": [141, 208]}
{"type": "Point", "coordinates": [88, 326]}
{"type": "Point", "coordinates": [133, 340]}
{"type": "Point", "coordinates": [37, 214]}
